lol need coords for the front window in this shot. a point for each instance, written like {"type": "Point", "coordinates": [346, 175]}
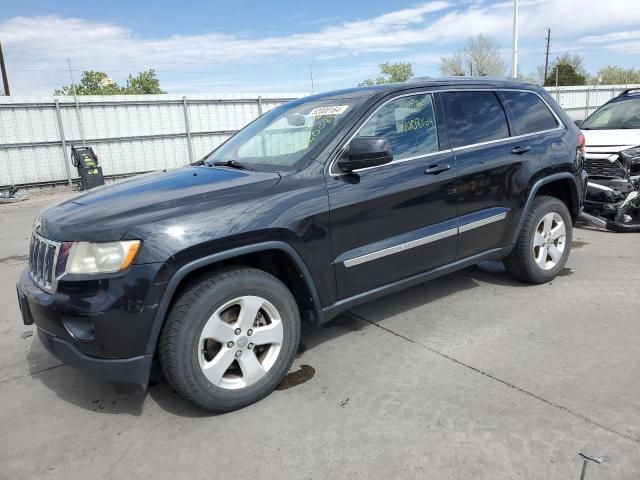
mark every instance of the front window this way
{"type": "Point", "coordinates": [286, 136]}
{"type": "Point", "coordinates": [408, 123]}
{"type": "Point", "coordinates": [618, 114]}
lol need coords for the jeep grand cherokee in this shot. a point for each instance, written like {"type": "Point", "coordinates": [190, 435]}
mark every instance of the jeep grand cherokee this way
{"type": "Point", "coordinates": [318, 205]}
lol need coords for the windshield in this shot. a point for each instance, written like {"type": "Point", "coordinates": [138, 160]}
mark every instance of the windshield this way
{"type": "Point", "coordinates": [618, 114]}
{"type": "Point", "coordinates": [285, 136]}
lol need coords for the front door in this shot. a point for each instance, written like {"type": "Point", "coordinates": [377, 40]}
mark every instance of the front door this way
{"type": "Point", "coordinates": [397, 220]}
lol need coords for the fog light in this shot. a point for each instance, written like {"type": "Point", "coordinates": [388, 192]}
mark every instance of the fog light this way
{"type": "Point", "coordinates": [80, 329]}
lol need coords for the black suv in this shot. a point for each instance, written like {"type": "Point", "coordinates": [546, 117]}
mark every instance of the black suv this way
{"type": "Point", "coordinates": [316, 206]}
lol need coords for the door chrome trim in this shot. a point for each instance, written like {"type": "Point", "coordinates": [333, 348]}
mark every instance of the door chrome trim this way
{"type": "Point", "coordinates": [352, 262]}
{"type": "Point", "coordinates": [481, 223]}
{"type": "Point", "coordinates": [400, 248]}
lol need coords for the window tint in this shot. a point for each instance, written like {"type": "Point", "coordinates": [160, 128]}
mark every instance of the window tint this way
{"type": "Point", "coordinates": [529, 112]}
{"type": "Point", "coordinates": [475, 117]}
{"type": "Point", "coordinates": [408, 123]}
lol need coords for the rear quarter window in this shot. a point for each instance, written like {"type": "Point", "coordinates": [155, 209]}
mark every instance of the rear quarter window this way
{"type": "Point", "coordinates": [475, 117]}
{"type": "Point", "coordinates": [529, 113]}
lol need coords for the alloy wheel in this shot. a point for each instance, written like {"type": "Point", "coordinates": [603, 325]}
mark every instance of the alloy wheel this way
{"type": "Point", "coordinates": [240, 342]}
{"type": "Point", "coordinates": [549, 241]}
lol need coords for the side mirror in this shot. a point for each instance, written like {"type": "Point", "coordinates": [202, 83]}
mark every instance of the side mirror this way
{"type": "Point", "coordinates": [366, 152]}
{"type": "Point", "coordinates": [578, 122]}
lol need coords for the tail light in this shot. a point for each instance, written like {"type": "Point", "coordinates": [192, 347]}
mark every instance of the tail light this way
{"type": "Point", "coordinates": [581, 143]}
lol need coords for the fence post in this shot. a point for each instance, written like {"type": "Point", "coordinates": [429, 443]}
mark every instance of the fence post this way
{"type": "Point", "coordinates": [259, 105]}
{"type": "Point", "coordinates": [586, 107]}
{"type": "Point", "coordinates": [187, 127]}
{"type": "Point", "coordinates": [64, 142]}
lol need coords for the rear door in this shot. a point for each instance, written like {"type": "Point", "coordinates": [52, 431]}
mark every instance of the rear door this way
{"type": "Point", "coordinates": [493, 168]}
{"type": "Point", "coordinates": [396, 220]}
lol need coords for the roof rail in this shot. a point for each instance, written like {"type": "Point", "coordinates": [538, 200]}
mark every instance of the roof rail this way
{"type": "Point", "coordinates": [630, 91]}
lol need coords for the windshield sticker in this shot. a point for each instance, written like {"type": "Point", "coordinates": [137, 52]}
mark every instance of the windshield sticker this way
{"type": "Point", "coordinates": [334, 110]}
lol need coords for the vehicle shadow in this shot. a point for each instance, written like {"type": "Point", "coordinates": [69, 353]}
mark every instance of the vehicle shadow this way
{"type": "Point", "coordinates": [74, 387]}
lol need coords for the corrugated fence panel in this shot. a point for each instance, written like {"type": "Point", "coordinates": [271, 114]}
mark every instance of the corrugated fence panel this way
{"type": "Point", "coordinates": [580, 102]}
{"type": "Point", "coordinates": [130, 134]}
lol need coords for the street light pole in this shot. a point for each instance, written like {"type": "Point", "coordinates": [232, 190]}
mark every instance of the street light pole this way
{"type": "Point", "coordinates": [514, 48]}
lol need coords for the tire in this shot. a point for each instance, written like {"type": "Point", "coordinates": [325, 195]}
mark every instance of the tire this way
{"type": "Point", "coordinates": [533, 259]}
{"type": "Point", "coordinates": [217, 305]}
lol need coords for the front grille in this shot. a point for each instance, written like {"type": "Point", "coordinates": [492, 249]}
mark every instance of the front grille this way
{"type": "Point", "coordinates": [603, 168]}
{"type": "Point", "coordinates": [43, 255]}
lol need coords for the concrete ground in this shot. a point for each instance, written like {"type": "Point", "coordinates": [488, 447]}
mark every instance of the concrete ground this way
{"type": "Point", "coordinates": [470, 376]}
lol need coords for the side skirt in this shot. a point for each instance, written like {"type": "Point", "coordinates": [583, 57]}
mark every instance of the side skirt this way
{"type": "Point", "coordinates": [330, 312]}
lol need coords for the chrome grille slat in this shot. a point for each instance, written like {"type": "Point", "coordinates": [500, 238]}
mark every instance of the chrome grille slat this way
{"type": "Point", "coordinates": [43, 255]}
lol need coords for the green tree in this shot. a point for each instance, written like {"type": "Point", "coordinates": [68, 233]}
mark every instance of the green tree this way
{"type": "Point", "coordinates": [391, 73]}
{"type": "Point", "coordinates": [612, 75]}
{"type": "Point", "coordinates": [565, 74]}
{"type": "Point", "coordinates": [145, 83]}
{"type": "Point", "coordinates": [99, 83]}
{"type": "Point", "coordinates": [91, 83]}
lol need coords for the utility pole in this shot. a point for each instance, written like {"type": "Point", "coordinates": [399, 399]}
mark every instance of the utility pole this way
{"type": "Point", "coordinates": [5, 80]}
{"type": "Point", "coordinates": [546, 57]}
{"type": "Point", "coordinates": [514, 46]}
{"type": "Point", "coordinates": [313, 88]}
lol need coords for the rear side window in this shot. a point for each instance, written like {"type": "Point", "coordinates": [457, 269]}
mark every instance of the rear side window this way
{"type": "Point", "coordinates": [475, 117]}
{"type": "Point", "coordinates": [529, 112]}
{"type": "Point", "coordinates": [408, 123]}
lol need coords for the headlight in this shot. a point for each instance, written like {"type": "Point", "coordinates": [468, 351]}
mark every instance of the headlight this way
{"type": "Point", "coordinates": [91, 258]}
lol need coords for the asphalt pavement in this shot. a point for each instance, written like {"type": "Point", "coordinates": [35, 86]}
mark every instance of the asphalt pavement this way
{"type": "Point", "coordinates": [473, 375]}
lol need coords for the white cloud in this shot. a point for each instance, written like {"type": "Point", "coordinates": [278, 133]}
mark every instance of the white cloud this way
{"type": "Point", "coordinates": [42, 44]}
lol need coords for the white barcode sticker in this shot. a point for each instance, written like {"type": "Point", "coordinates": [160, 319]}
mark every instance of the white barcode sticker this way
{"type": "Point", "coordinates": [334, 110]}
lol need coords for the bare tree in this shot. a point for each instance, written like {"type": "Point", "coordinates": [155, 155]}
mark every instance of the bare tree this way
{"type": "Point", "coordinates": [481, 57]}
{"type": "Point", "coordinates": [453, 65]}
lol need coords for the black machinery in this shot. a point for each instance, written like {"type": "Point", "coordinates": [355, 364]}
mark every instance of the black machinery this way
{"type": "Point", "coordinates": [86, 161]}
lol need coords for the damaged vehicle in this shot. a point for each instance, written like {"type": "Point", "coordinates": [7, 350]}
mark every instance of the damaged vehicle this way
{"type": "Point", "coordinates": [612, 160]}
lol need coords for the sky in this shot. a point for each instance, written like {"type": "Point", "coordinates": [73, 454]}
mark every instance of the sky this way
{"type": "Point", "coordinates": [259, 46]}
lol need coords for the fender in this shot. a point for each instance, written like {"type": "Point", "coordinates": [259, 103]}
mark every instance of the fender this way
{"type": "Point", "coordinates": [534, 190]}
{"type": "Point", "coordinates": [182, 272]}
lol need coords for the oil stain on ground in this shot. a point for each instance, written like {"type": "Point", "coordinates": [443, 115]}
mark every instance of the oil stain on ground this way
{"type": "Point", "coordinates": [293, 379]}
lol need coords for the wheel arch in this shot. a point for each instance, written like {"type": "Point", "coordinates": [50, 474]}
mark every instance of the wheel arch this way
{"type": "Point", "coordinates": [559, 185]}
{"type": "Point", "coordinates": [275, 257]}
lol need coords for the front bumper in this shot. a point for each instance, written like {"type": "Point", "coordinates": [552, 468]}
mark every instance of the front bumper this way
{"type": "Point", "coordinates": [127, 370]}
{"type": "Point", "coordinates": [100, 327]}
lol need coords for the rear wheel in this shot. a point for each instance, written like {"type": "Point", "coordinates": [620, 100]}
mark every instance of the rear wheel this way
{"type": "Point", "coordinates": [544, 243]}
{"type": "Point", "coordinates": [230, 339]}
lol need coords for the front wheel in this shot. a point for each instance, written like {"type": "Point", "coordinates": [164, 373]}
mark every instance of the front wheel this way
{"type": "Point", "coordinates": [230, 338]}
{"type": "Point", "coordinates": [544, 243]}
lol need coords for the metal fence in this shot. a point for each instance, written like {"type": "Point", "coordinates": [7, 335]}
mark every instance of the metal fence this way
{"type": "Point", "coordinates": [134, 134]}
{"type": "Point", "coordinates": [580, 102]}
{"type": "Point", "coordinates": [130, 134]}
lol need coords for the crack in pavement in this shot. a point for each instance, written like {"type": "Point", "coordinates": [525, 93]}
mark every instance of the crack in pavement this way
{"type": "Point", "coordinates": [497, 379]}
{"type": "Point", "coordinates": [31, 374]}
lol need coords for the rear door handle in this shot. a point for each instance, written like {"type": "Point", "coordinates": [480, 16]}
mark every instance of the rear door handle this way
{"type": "Point", "coordinates": [521, 150]}
{"type": "Point", "coordinates": [436, 169]}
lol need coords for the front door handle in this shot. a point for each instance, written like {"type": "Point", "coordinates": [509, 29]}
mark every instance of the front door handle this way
{"type": "Point", "coordinates": [436, 169]}
{"type": "Point", "coordinates": [520, 150]}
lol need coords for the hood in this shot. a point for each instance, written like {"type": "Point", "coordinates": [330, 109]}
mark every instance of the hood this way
{"type": "Point", "coordinates": [629, 137]}
{"type": "Point", "coordinates": [107, 213]}
{"type": "Point", "coordinates": [604, 143]}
